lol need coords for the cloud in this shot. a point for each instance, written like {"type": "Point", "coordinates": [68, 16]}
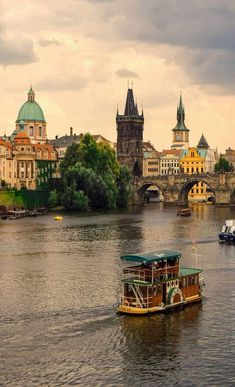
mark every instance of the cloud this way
{"type": "Point", "coordinates": [49, 42]}
{"type": "Point", "coordinates": [16, 52]}
{"type": "Point", "coordinates": [70, 83]}
{"type": "Point", "coordinates": [125, 73]}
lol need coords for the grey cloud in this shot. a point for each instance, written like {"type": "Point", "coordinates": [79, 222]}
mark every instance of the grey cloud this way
{"type": "Point", "coordinates": [72, 83]}
{"type": "Point", "coordinates": [125, 73]}
{"type": "Point", "coordinates": [49, 42]}
{"type": "Point", "coordinates": [18, 52]}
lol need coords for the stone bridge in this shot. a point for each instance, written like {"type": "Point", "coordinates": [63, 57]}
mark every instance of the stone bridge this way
{"type": "Point", "coordinates": [175, 188]}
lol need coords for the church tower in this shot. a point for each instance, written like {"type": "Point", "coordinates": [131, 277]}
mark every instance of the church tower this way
{"type": "Point", "coordinates": [180, 131]}
{"type": "Point", "coordinates": [130, 128]}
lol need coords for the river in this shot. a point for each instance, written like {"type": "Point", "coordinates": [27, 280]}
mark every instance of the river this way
{"type": "Point", "coordinates": [60, 285]}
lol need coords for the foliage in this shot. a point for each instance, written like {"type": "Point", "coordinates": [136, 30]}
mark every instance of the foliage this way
{"type": "Point", "coordinates": [53, 199]}
{"type": "Point", "coordinates": [223, 166]}
{"type": "Point", "coordinates": [74, 200]}
{"type": "Point", "coordinates": [123, 183]}
{"type": "Point", "coordinates": [92, 168]}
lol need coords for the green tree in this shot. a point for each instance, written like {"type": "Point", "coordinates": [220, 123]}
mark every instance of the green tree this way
{"type": "Point", "coordinates": [123, 184]}
{"type": "Point", "coordinates": [53, 199]}
{"type": "Point", "coordinates": [223, 166]}
{"type": "Point", "coordinates": [93, 169]}
{"type": "Point", "coordinates": [71, 157]}
{"type": "Point", "coordinates": [74, 200]}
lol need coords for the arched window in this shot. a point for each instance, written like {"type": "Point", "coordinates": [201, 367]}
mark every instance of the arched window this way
{"type": "Point", "coordinates": [31, 131]}
{"type": "Point", "coordinates": [40, 131]}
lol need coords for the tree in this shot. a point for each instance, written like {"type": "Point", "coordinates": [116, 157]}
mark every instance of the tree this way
{"type": "Point", "coordinates": [93, 169]}
{"type": "Point", "coordinates": [223, 166]}
{"type": "Point", "coordinates": [74, 200]}
{"type": "Point", "coordinates": [53, 199]}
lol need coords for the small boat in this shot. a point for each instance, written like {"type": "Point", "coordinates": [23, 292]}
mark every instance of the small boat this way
{"type": "Point", "coordinates": [158, 283]}
{"type": "Point", "coordinates": [227, 233]}
{"type": "Point", "coordinates": [58, 217]}
{"type": "Point", "coordinates": [184, 212]}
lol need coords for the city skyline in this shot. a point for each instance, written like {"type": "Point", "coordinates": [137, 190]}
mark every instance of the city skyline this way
{"type": "Point", "coordinates": [80, 56]}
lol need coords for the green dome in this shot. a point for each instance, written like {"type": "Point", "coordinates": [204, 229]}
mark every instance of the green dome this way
{"type": "Point", "coordinates": [30, 110]}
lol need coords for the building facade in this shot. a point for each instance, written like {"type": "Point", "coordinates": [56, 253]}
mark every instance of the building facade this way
{"type": "Point", "coordinates": [170, 162]}
{"type": "Point", "coordinates": [151, 161]}
{"type": "Point", "coordinates": [130, 126]}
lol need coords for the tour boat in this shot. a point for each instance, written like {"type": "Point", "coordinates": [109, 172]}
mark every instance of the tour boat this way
{"type": "Point", "coordinates": [58, 217]}
{"type": "Point", "coordinates": [227, 233]}
{"type": "Point", "coordinates": [158, 283]}
{"type": "Point", "coordinates": [184, 212]}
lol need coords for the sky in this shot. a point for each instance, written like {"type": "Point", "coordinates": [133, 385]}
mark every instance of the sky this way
{"type": "Point", "coordinates": [80, 54]}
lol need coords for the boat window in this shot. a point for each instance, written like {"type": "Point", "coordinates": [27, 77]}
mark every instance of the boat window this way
{"type": "Point", "coordinates": [224, 228]}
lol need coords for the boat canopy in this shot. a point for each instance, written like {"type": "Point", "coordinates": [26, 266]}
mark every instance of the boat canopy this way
{"type": "Point", "coordinates": [151, 257]}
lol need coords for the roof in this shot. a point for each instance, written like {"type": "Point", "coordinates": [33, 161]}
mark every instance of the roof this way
{"type": "Point", "coordinates": [31, 110]}
{"type": "Point", "coordinates": [184, 271]}
{"type": "Point", "coordinates": [203, 143]}
{"type": "Point", "coordinates": [180, 126]}
{"type": "Point", "coordinates": [151, 257]}
{"type": "Point", "coordinates": [65, 141]}
{"type": "Point", "coordinates": [21, 135]}
{"type": "Point", "coordinates": [175, 152]}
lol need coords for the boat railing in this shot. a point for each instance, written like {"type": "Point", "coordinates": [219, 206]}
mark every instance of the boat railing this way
{"type": "Point", "coordinates": [148, 274]}
{"type": "Point", "coordinates": [132, 301]}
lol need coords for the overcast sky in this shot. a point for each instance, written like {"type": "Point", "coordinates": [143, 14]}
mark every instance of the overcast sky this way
{"type": "Point", "coordinates": [80, 54]}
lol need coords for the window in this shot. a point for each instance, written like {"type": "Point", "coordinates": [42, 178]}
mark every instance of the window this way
{"type": "Point", "coordinates": [22, 164]}
{"type": "Point", "coordinates": [22, 149]}
{"type": "Point", "coordinates": [22, 175]}
{"type": "Point", "coordinates": [31, 130]}
{"type": "Point", "coordinates": [40, 131]}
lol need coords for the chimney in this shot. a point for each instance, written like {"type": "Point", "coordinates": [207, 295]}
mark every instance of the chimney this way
{"type": "Point", "coordinates": [56, 136]}
{"type": "Point", "coordinates": [71, 131]}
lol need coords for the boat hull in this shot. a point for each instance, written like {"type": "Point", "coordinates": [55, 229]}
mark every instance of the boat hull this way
{"type": "Point", "coordinates": [226, 237]}
{"type": "Point", "coordinates": [130, 310]}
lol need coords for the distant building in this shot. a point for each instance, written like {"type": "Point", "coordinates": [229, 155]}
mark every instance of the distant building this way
{"type": "Point", "coordinates": [151, 161]}
{"type": "Point", "coordinates": [62, 143]}
{"type": "Point", "coordinates": [170, 161]}
{"type": "Point", "coordinates": [211, 156]}
{"type": "Point", "coordinates": [230, 157]}
{"type": "Point", "coordinates": [180, 131]}
{"type": "Point", "coordinates": [130, 126]}
{"type": "Point", "coordinates": [26, 165]}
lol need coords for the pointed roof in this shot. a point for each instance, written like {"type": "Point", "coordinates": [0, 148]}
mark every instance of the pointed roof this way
{"type": "Point", "coordinates": [131, 107]}
{"type": "Point", "coordinates": [203, 144]}
{"type": "Point", "coordinates": [180, 117]}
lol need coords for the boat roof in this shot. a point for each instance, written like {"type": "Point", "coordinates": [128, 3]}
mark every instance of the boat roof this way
{"type": "Point", "coordinates": [184, 271]}
{"type": "Point", "coordinates": [154, 256]}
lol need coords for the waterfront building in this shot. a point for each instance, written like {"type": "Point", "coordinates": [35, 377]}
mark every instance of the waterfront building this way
{"type": "Point", "coordinates": [26, 165]}
{"type": "Point", "coordinates": [180, 131]}
{"type": "Point", "coordinates": [151, 161]}
{"type": "Point", "coordinates": [192, 161]}
{"type": "Point", "coordinates": [170, 161]}
{"type": "Point", "coordinates": [130, 126]}
{"type": "Point", "coordinates": [31, 120]}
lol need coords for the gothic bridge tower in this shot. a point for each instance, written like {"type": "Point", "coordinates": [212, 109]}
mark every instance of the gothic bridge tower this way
{"type": "Point", "coordinates": [130, 128]}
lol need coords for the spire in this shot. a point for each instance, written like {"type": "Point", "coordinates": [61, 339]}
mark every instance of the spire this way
{"type": "Point", "coordinates": [181, 116]}
{"type": "Point", "coordinates": [31, 94]}
{"type": "Point", "coordinates": [203, 144]}
{"type": "Point", "coordinates": [131, 108]}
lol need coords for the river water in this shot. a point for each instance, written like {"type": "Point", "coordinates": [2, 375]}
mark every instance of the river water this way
{"type": "Point", "coordinates": [60, 285]}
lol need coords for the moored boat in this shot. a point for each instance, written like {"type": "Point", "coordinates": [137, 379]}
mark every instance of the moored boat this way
{"type": "Point", "coordinates": [184, 212]}
{"type": "Point", "coordinates": [227, 233]}
{"type": "Point", "coordinates": [158, 283]}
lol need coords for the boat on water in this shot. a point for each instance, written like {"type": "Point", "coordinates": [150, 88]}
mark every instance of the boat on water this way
{"type": "Point", "coordinates": [184, 212]}
{"type": "Point", "coordinates": [227, 233]}
{"type": "Point", "coordinates": [158, 283]}
{"type": "Point", "coordinates": [58, 217]}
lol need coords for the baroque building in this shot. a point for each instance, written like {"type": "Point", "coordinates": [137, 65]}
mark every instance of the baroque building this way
{"type": "Point", "coordinates": [180, 131]}
{"type": "Point", "coordinates": [130, 126]}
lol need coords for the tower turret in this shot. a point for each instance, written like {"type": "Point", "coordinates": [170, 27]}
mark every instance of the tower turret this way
{"type": "Point", "coordinates": [180, 131]}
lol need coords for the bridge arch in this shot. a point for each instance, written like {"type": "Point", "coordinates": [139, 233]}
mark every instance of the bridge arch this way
{"type": "Point", "coordinates": [143, 188]}
{"type": "Point", "coordinates": [189, 184]}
